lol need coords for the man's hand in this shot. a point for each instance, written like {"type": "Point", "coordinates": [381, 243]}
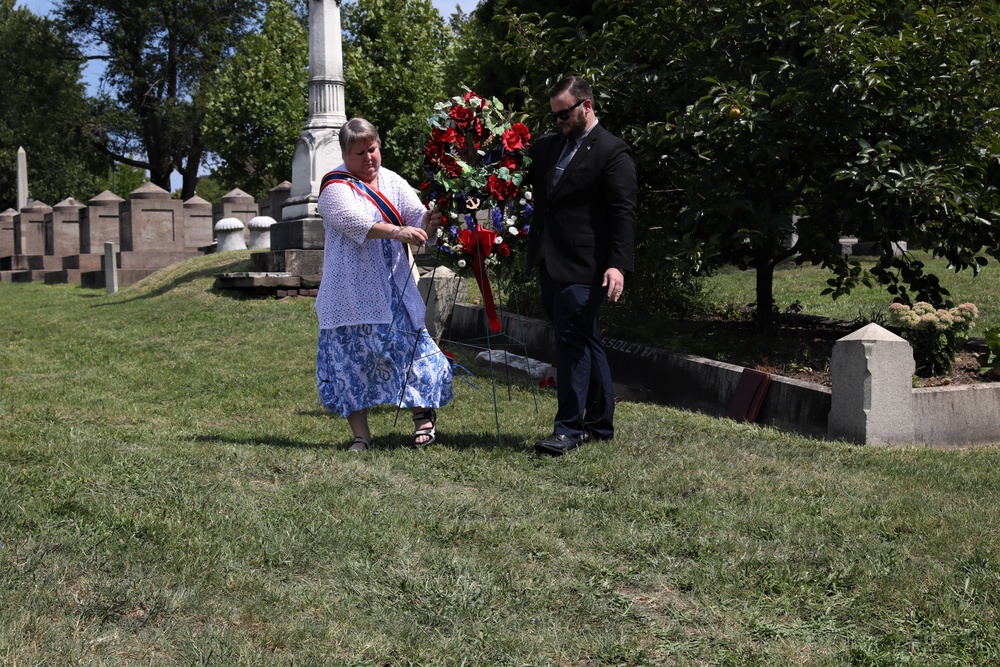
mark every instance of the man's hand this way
{"type": "Point", "coordinates": [614, 280]}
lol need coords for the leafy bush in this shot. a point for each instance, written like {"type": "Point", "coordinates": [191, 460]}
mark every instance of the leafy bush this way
{"type": "Point", "coordinates": [936, 334]}
{"type": "Point", "coordinates": [990, 360]}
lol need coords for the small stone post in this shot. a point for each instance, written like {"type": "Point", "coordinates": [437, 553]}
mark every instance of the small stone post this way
{"type": "Point", "coordinates": [22, 178]}
{"type": "Point", "coordinates": [872, 376]}
{"type": "Point", "coordinates": [110, 268]}
{"type": "Point", "coordinates": [260, 232]}
{"type": "Point", "coordinates": [439, 289]}
{"type": "Point", "coordinates": [229, 235]}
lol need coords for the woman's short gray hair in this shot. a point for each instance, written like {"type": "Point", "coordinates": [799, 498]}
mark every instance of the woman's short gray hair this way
{"type": "Point", "coordinates": [355, 131]}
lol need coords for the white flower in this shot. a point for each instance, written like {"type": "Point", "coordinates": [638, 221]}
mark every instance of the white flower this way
{"type": "Point", "coordinates": [498, 240]}
{"type": "Point", "coordinates": [461, 263]}
{"type": "Point", "coordinates": [527, 195]}
{"type": "Point", "coordinates": [512, 231]}
{"type": "Point", "coordinates": [453, 215]}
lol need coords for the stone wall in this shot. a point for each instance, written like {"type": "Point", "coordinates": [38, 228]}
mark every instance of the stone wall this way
{"type": "Point", "coordinates": [872, 400]}
{"type": "Point", "coordinates": [150, 230]}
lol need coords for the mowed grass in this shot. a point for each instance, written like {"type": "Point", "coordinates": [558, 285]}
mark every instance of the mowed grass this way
{"type": "Point", "coordinates": [172, 494]}
{"type": "Point", "coordinates": [804, 284]}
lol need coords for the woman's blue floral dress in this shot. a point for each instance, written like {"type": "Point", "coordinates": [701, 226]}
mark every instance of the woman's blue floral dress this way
{"type": "Point", "coordinates": [393, 360]}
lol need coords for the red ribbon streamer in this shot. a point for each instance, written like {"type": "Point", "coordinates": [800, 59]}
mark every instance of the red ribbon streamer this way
{"type": "Point", "coordinates": [479, 243]}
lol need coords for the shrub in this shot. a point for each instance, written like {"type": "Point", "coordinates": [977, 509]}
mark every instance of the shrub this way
{"type": "Point", "coordinates": [936, 334]}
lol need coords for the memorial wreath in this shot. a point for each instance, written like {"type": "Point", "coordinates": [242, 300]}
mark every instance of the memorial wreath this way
{"type": "Point", "coordinates": [476, 162]}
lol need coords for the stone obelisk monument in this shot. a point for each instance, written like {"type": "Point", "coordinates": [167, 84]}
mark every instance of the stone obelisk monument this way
{"type": "Point", "coordinates": [318, 149]}
{"type": "Point", "coordinates": [22, 178]}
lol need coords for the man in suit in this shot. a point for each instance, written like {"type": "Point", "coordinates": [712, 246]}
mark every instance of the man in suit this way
{"type": "Point", "coordinates": [583, 242]}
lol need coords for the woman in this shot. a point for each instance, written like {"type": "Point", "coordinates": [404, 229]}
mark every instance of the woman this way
{"type": "Point", "coordinates": [373, 347]}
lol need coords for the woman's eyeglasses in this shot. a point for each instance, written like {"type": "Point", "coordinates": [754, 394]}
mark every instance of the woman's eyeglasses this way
{"type": "Point", "coordinates": [564, 114]}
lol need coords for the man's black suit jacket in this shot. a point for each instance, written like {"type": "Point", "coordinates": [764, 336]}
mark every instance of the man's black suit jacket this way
{"type": "Point", "coordinates": [586, 223]}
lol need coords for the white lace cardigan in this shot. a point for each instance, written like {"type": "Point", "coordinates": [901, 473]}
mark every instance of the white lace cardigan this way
{"type": "Point", "coordinates": [355, 287]}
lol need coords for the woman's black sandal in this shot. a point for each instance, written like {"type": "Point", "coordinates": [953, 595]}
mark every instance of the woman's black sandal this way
{"type": "Point", "coordinates": [360, 444]}
{"type": "Point", "coordinates": [430, 433]}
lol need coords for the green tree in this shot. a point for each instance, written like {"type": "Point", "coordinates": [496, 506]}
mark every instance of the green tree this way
{"type": "Point", "coordinates": [122, 179]}
{"type": "Point", "coordinates": [158, 56]}
{"type": "Point", "coordinates": [493, 68]}
{"type": "Point", "coordinates": [461, 65]}
{"type": "Point", "coordinates": [766, 129]}
{"type": "Point", "coordinates": [259, 103]}
{"type": "Point", "coordinates": [211, 189]}
{"type": "Point", "coordinates": [395, 55]}
{"type": "Point", "coordinates": [44, 106]}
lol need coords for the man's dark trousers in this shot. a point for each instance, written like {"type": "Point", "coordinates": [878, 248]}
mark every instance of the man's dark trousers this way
{"type": "Point", "coordinates": [584, 387]}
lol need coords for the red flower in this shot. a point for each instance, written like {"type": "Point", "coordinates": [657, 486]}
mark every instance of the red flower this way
{"type": "Point", "coordinates": [433, 151]}
{"type": "Point", "coordinates": [450, 166]}
{"type": "Point", "coordinates": [477, 241]}
{"type": "Point", "coordinates": [443, 203]}
{"type": "Point", "coordinates": [462, 116]}
{"type": "Point", "coordinates": [447, 136]}
{"type": "Point", "coordinates": [503, 250]}
{"type": "Point", "coordinates": [500, 189]}
{"type": "Point", "coordinates": [508, 161]}
{"type": "Point", "coordinates": [516, 138]}
{"type": "Point", "coordinates": [480, 129]}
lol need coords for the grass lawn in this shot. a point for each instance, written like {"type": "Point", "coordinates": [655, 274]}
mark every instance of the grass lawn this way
{"type": "Point", "coordinates": [172, 494]}
{"type": "Point", "coordinates": [803, 284]}
{"type": "Point", "coordinates": [737, 340]}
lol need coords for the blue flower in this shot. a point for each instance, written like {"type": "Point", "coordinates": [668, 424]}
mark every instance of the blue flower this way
{"type": "Point", "coordinates": [497, 216]}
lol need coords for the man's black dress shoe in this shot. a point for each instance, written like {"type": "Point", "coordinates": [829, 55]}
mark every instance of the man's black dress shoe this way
{"type": "Point", "coordinates": [560, 443]}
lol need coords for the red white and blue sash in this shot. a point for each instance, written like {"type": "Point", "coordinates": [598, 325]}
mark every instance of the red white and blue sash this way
{"type": "Point", "coordinates": [384, 206]}
{"type": "Point", "coordinates": [378, 200]}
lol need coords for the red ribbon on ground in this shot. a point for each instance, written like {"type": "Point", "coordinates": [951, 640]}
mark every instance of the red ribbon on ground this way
{"type": "Point", "coordinates": [479, 243]}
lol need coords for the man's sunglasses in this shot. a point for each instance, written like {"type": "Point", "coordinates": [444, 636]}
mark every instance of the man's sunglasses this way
{"type": "Point", "coordinates": [564, 114]}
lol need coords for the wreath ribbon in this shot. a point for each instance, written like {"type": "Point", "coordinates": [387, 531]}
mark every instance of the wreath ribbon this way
{"type": "Point", "coordinates": [479, 243]}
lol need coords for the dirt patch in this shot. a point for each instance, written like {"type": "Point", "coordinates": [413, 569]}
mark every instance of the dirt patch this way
{"type": "Point", "coordinates": [965, 371]}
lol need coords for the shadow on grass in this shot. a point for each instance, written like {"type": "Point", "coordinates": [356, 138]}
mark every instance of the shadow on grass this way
{"type": "Point", "coordinates": [387, 442]}
{"type": "Point", "coordinates": [445, 437]}
{"type": "Point", "coordinates": [266, 441]}
{"type": "Point", "coordinates": [177, 280]}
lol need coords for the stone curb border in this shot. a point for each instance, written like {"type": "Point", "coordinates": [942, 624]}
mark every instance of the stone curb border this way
{"type": "Point", "coordinates": [942, 416]}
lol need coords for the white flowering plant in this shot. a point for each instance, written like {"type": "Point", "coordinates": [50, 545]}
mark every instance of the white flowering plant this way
{"type": "Point", "coordinates": [936, 334]}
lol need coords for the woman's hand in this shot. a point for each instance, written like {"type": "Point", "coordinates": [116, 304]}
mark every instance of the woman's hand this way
{"type": "Point", "coordinates": [431, 222]}
{"type": "Point", "coordinates": [410, 235]}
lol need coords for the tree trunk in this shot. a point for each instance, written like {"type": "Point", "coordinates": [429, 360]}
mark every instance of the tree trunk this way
{"type": "Point", "coordinates": [765, 295]}
{"type": "Point", "coordinates": [160, 166]}
{"type": "Point", "coordinates": [192, 165]}
{"type": "Point", "coordinates": [189, 185]}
